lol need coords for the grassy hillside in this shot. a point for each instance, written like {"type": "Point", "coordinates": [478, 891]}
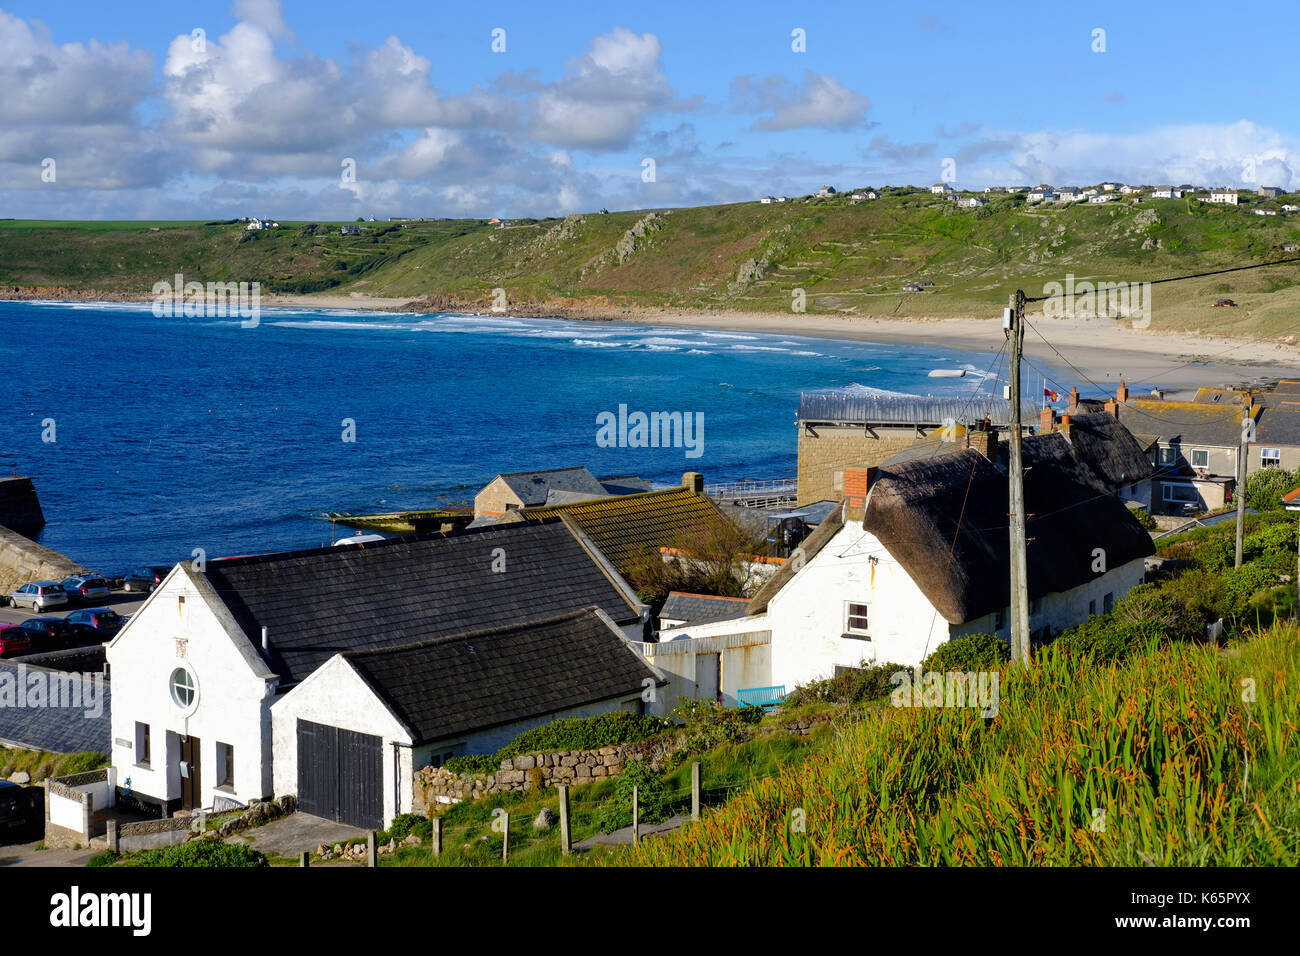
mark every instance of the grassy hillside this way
{"type": "Point", "coordinates": [847, 258]}
{"type": "Point", "coordinates": [1155, 761]}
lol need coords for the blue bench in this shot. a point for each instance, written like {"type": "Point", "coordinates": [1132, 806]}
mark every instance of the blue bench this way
{"type": "Point", "coordinates": [765, 697]}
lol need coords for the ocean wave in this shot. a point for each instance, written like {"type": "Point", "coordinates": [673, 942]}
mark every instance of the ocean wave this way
{"type": "Point", "coordinates": [593, 344]}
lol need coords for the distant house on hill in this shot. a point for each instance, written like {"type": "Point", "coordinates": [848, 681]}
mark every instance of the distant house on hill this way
{"type": "Point", "coordinates": [350, 230]}
{"type": "Point", "coordinates": [1041, 194]}
{"type": "Point", "coordinates": [1224, 196]}
{"type": "Point", "coordinates": [1067, 194]}
{"type": "Point", "coordinates": [766, 200]}
{"type": "Point", "coordinates": [1167, 192]}
{"type": "Point", "coordinates": [1271, 192]}
{"type": "Point", "coordinates": [826, 191]}
{"type": "Point", "coordinates": [940, 189]}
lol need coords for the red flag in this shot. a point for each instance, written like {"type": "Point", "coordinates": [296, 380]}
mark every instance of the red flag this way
{"type": "Point", "coordinates": [1049, 394]}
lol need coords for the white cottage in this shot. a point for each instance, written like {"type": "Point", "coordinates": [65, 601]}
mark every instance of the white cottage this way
{"type": "Point", "coordinates": [201, 668]}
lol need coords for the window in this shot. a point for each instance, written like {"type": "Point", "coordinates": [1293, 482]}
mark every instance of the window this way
{"type": "Point", "coordinates": [182, 687]}
{"type": "Point", "coordinates": [1270, 457]}
{"type": "Point", "coordinates": [1168, 456]}
{"type": "Point", "coordinates": [1107, 602]}
{"type": "Point", "coordinates": [440, 758]}
{"type": "Point", "coordinates": [1179, 493]}
{"type": "Point", "coordinates": [225, 766]}
{"type": "Point", "coordinates": [141, 744]}
{"type": "Point", "coordinates": [1200, 458]}
{"type": "Point", "coordinates": [855, 618]}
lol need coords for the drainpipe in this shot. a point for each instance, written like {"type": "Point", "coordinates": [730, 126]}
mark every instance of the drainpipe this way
{"type": "Point", "coordinates": [266, 644]}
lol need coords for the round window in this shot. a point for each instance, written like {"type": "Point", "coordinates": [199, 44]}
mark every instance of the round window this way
{"type": "Point", "coordinates": [182, 687]}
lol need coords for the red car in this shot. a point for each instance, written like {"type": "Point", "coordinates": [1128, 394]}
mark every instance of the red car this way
{"type": "Point", "coordinates": [14, 640]}
{"type": "Point", "coordinates": [1225, 302]}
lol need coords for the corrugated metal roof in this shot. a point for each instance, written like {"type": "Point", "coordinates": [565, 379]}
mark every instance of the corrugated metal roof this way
{"type": "Point", "coordinates": [862, 407]}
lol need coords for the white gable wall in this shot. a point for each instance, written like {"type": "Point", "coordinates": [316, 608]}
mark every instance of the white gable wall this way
{"type": "Point", "coordinates": [232, 705]}
{"type": "Point", "coordinates": [335, 695]}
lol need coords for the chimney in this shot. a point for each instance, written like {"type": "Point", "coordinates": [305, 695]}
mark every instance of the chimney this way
{"type": "Point", "coordinates": [1073, 407]}
{"type": "Point", "coordinates": [1045, 419]}
{"type": "Point", "coordinates": [1065, 426]}
{"type": "Point", "coordinates": [1121, 394]}
{"type": "Point", "coordinates": [984, 440]}
{"type": "Point", "coordinates": [857, 482]}
{"type": "Point", "coordinates": [1112, 406]}
{"type": "Point", "coordinates": [693, 481]}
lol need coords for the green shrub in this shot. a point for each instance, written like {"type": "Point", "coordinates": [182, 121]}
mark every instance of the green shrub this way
{"type": "Point", "coordinates": [972, 652]}
{"type": "Point", "coordinates": [853, 685]}
{"type": "Point", "coordinates": [1265, 488]}
{"type": "Point", "coordinates": [708, 724]}
{"type": "Point", "coordinates": [105, 858]}
{"type": "Point", "coordinates": [404, 824]}
{"type": "Point", "coordinates": [652, 805]}
{"type": "Point", "coordinates": [1144, 518]}
{"type": "Point", "coordinates": [203, 852]}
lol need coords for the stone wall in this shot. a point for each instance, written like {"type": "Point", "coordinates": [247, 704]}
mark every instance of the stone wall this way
{"type": "Point", "coordinates": [435, 786]}
{"type": "Point", "coordinates": [23, 560]}
{"type": "Point", "coordinates": [825, 455]}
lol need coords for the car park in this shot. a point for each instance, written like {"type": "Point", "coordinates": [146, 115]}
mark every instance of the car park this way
{"type": "Point", "coordinates": [101, 623]}
{"type": "Point", "coordinates": [49, 634]}
{"type": "Point", "coordinates": [14, 640]}
{"type": "Point", "coordinates": [86, 589]}
{"type": "Point", "coordinates": [145, 578]}
{"type": "Point", "coordinates": [39, 596]}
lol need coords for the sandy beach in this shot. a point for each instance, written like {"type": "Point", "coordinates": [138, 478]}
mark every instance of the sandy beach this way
{"type": "Point", "coordinates": [1103, 351]}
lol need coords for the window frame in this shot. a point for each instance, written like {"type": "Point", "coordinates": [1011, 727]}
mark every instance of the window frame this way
{"type": "Point", "coordinates": [850, 617]}
{"type": "Point", "coordinates": [143, 743]}
{"type": "Point", "coordinates": [225, 766]}
{"type": "Point", "coordinates": [1201, 451]}
{"type": "Point", "coordinates": [190, 684]}
{"type": "Point", "coordinates": [1167, 455]}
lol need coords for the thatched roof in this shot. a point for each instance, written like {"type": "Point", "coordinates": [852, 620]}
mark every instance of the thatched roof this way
{"type": "Point", "coordinates": [945, 521]}
{"type": "Point", "coordinates": [1110, 455]}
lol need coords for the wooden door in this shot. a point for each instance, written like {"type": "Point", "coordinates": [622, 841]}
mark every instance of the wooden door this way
{"type": "Point", "coordinates": [191, 782]}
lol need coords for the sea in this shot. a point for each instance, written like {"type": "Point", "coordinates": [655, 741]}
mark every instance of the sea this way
{"type": "Point", "coordinates": [151, 440]}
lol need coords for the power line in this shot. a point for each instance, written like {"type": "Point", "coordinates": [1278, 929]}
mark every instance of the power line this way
{"type": "Point", "coordinates": [1197, 275]}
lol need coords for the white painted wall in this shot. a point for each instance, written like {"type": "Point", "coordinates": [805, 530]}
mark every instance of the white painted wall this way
{"type": "Point", "coordinates": [746, 659]}
{"type": "Point", "coordinates": [65, 812]}
{"type": "Point", "coordinates": [235, 689]}
{"type": "Point", "coordinates": [336, 695]}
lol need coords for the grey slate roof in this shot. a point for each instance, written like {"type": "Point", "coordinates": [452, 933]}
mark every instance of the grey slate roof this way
{"type": "Point", "coordinates": [469, 682]}
{"type": "Point", "coordinates": [57, 729]}
{"type": "Point", "coordinates": [1184, 423]}
{"type": "Point", "coordinates": [1278, 426]}
{"type": "Point", "coordinates": [857, 406]}
{"type": "Point", "coordinates": [325, 601]}
{"type": "Point", "coordinates": [532, 487]}
{"type": "Point", "coordinates": [702, 608]}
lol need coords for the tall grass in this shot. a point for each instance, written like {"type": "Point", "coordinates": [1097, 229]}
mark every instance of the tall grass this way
{"type": "Point", "coordinates": [1156, 760]}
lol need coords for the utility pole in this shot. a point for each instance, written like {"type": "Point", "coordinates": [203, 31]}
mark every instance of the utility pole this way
{"type": "Point", "coordinates": [1014, 323]}
{"type": "Point", "coordinates": [1247, 432]}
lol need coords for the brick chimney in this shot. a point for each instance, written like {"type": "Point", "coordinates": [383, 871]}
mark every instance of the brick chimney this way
{"type": "Point", "coordinates": [984, 440]}
{"type": "Point", "coordinates": [693, 481]}
{"type": "Point", "coordinates": [1112, 406]}
{"type": "Point", "coordinates": [1121, 394]}
{"type": "Point", "coordinates": [1064, 428]}
{"type": "Point", "coordinates": [857, 482]}
{"type": "Point", "coordinates": [1045, 419]}
{"type": "Point", "coordinates": [1073, 407]}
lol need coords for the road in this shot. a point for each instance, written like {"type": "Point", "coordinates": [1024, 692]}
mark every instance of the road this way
{"type": "Point", "coordinates": [120, 601]}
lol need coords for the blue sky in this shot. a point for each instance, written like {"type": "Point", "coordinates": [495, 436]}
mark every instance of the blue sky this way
{"type": "Point", "coordinates": [257, 114]}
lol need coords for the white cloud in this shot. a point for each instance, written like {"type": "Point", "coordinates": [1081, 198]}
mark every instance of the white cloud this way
{"type": "Point", "coordinates": [820, 102]}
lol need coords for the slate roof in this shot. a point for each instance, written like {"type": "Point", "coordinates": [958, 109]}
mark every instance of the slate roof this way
{"type": "Point", "coordinates": [324, 601]}
{"type": "Point", "coordinates": [532, 487]}
{"type": "Point", "coordinates": [61, 730]}
{"type": "Point", "coordinates": [860, 406]}
{"type": "Point", "coordinates": [702, 608]}
{"type": "Point", "coordinates": [1185, 423]}
{"type": "Point", "coordinates": [469, 682]}
{"type": "Point", "coordinates": [1278, 426]}
{"type": "Point", "coordinates": [628, 526]}
{"type": "Point", "coordinates": [945, 521]}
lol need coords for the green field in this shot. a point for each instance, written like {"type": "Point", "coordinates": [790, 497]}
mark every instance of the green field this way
{"type": "Point", "coordinates": [848, 259]}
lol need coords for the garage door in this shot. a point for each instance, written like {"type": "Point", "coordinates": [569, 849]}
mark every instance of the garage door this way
{"type": "Point", "coordinates": [340, 775]}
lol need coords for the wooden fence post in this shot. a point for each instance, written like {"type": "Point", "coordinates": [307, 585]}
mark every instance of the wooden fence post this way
{"type": "Point", "coordinates": [370, 848]}
{"type": "Point", "coordinates": [565, 835]}
{"type": "Point", "coordinates": [636, 817]}
{"type": "Point", "coordinates": [695, 790]}
{"type": "Point", "coordinates": [505, 835]}
{"type": "Point", "coordinates": [435, 837]}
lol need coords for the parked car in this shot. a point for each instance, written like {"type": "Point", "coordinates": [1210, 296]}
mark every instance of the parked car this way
{"type": "Point", "coordinates": [145, 578]}
{"type": "Point", "coordinates": [17, 806]}
{"type": "Point", "coordinates": [86, 588]}
{"type": "Point", "coordinates": [14, 640]}
{"type": "Point", "coordinates": [39, 595]}
{"type": "Point", "coordinates": [1228, 303]}
{"type": "Point", "coordinates": [49, 633]}
{"type": "Point", "coordinates": [97, 622]}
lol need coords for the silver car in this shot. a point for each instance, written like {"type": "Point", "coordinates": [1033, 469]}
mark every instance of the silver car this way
{"type": "Point", "coordinates": [86, 588]}
{"type": "Point", "coordinates": [39, 595]}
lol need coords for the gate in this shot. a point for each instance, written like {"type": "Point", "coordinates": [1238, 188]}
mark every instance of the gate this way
{"type": "Point", "coordinates": [340, 775]}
